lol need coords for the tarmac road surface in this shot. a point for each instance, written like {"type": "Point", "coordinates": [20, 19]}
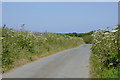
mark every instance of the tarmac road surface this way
{"type": "Point", "coordinates": [71, 63]}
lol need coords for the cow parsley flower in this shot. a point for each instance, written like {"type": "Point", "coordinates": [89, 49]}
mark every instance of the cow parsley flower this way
{"type": "Point", "coordinates": [114, 31]}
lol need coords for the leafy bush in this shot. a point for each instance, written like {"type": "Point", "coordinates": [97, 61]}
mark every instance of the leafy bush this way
{"type": "Point", "coordinates": [87, 39]}
{"type": "Point", "coordinates": [106, 49]}
{"type": "Point", "coordinates": [86, 36]}
{"type": "Point", "coordinates": [74, 34]}
{"type": "Point", "coordinates": [0, 50]}
{"type": "Point", "coordinates": [100, 71]}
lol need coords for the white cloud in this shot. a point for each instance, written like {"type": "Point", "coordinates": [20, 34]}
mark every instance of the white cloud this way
{"type": "Point", "coordinates": [60, 0]}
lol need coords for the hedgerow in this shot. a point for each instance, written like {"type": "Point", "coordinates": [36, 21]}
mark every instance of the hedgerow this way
{"type": "Point", "coordinates": [20, 47]}
{"type": "Point", "coordinates": [105, 49]}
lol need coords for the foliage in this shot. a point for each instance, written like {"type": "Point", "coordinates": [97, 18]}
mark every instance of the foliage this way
{"type": "Point", "coordinates": [86, 36]}
{"type": "Point", "coordinates": [0, 50]}
{"type": "Point", "coordinates": [105, 49]}
{"type": "Point", "coordinates": [74, 34]}
{"type": "Point", "coordinates": [87, 39]}
{"type": "Point", "coordinates": [20, 46]}
{"type": "Point", "coordinates": [99, 71]}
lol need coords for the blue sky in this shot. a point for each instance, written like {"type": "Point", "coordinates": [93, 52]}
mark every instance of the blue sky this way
{"type": "Point", "coordinates": [60, 16]}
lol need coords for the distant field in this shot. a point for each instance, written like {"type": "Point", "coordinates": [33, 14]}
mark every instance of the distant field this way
{"type": "Point", "coordinates": [21, 47]}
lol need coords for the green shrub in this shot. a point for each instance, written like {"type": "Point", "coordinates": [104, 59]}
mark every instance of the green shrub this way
{"type": "Point", "coordinates": [86, 36]}
{"type": "Point", "coordinates": [87, 39]}
{"type": "Point", "coordinates": [105, 52]}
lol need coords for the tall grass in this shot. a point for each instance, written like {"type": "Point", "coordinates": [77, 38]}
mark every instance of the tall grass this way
{"type": "Point", "coordinates": [105, 54]}
{"type": "Point", "coordinates": [21, 47]}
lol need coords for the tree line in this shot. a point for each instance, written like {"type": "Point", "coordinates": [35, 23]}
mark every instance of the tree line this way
{"type": "Point", "coordinates": [87, 37]}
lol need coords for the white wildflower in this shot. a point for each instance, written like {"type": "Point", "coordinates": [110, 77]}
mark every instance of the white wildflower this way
{"type": "Point", "coordinates": [114, 31]}
{"type": "Point", "coordinates": [106, 33]}
{"type": "Point", "coordinates": [109, 43]}
{"type": "Point", "coordinates": [12, 36]}
{"type": "Point", "coordinates": [2, 37]}
{"type": "Point", "coordinates": [45, 39]}
{"type": "Point", "coordinates": [112, 39]}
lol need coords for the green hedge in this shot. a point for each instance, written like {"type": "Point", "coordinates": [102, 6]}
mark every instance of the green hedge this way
{"type": "Point", "coordinates": [20, 46]}
{"type": "Point", "coordinates": [105, 53]}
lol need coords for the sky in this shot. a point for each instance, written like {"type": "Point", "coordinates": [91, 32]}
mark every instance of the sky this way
{"type": "Point", "coordinates": [119, 14]}
{"type": "Point", "coordinates": [0, 14]}
{"type": "Point", "coordinates": [60, 0]}
{"type": "Point", "coordinates": [60, 17]}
